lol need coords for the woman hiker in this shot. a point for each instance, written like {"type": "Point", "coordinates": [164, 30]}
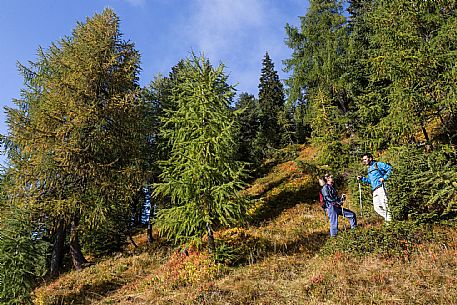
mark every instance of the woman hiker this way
{"type": "Point", "coordinates": [333, 206]}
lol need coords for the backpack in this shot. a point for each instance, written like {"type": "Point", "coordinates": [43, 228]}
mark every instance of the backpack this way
{"type": "Point", "coordinates": [321, 200]}
{"type": "Point", "coordinates": [383, 172]}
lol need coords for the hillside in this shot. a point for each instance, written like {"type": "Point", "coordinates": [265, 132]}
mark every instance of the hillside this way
{"type": "Point", "coordinates": [283, 256]}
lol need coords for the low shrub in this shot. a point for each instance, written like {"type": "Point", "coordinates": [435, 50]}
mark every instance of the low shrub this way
{"type": "Point", "coordinates": [238, 246]}
{"type": "Point", "coordinates": [184, 268]}
{"type": "Point", "coordinates": [396, 239]}
{"type": "Point", "coordinates": [423, 186]}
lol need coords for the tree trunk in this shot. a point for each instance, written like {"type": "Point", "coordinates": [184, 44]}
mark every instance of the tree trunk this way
{"type": "Point", "coordinates": [209, 229]}
{"type": "Point", "coordinates": [75, 249]}
{"type": "Point", "coordinates": [58, 249]}
{"type": "Point", "coordinates": [211, 243]}
{"type": "Point", "coordinates": [428, 144]}
{"type": "Point", "coordinates": [152, 215]}
{"type": "Point", "coordinates": [149, 232]}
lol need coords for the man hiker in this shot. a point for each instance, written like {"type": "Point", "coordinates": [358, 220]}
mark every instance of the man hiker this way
{"type": "Point", "coordinates": [333, 206]}
{"type": "Point", "coordinates": [378, 172]}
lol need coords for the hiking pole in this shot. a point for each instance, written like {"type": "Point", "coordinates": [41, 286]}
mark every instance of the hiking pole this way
{"type": "Point", "coordinates": [360, 200]}
{"type": "Point", "coordinates": [343, 198]}
{"type": "Point", "coordinates": [386, 196]}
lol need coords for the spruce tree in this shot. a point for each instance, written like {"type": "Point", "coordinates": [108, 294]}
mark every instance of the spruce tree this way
{"type": "Point", "coordinates": [271, 106]}
{"type": "Point", "coordinates": [78, 134]}
{"type": "Point", "coordinates": [248, 127]}
{"type": "Point", "coordinates": [200, 177]}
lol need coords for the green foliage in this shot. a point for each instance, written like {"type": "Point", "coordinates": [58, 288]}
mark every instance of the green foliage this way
{"type": "Point", "coordinates": [410, 63]}
{"type": "Point", "coordinates": [397, 239]}
{"type": "Point", "coordinates": [318, 63]}
{"type": "Point", "coordinates": [201, 177]}
{"type": "Point", "coordinates": [79, 132]}
{"type": "Point", "coordinates": [333, 154]}
{"type": "Point", "coordinates": [100, 237]}
{"type": "Point", "coordinates": [423, 186]}
{"type": "Point", "coordinates": [159, 96]}
{"type": "Point", "coordinates": [272, 119]}
{"type": "Point", "coordinates": [22, 255]}
{"type": "Point", "coordinates": [247, 120]}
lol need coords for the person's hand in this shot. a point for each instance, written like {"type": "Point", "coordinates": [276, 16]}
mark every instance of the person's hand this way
{"type": "Point", "coordinates": [381, 180]}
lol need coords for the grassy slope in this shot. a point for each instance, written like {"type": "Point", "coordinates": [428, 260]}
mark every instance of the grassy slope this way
{"type": "Point", "coordinates": [283, 264]}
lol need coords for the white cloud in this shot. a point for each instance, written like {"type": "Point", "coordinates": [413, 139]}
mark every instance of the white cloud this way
{"type": "Point", "coordinates": [219, 26]}
{"type": "Point", "coordinates": [234, 32]}
{"type": "Point", "coordinates": [238, 33]}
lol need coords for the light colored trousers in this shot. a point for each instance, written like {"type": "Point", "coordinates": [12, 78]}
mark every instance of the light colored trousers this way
{"type": "Point", "coordinates": [380, 203]}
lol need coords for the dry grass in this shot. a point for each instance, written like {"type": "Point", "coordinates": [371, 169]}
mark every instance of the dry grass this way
{"type": "Point", "coordinates": [97, 281]}
{"type": "Point", "coordinates": [289, 269]}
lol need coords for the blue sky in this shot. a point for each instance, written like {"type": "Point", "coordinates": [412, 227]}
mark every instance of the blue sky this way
{"type": "Point", "coordinates": [234, 32]}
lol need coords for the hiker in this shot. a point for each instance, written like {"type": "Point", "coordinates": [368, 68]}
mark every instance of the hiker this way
{"type": "Point", "coordinates": [333, 206]}
{"type": "Point", "coordinates": [378, 172]}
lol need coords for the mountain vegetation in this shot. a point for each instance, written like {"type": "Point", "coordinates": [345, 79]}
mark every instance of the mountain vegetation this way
{"type": "Point", "coordinates": [226, 185]}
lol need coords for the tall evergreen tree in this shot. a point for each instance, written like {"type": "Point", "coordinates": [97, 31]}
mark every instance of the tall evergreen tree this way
{"type": "Point", "coordinates": [77, 136]}
{"type": "Point", "coordinates": [358, 72]}
{"type": "Point", "coordinates": [248, 128]}
{"type": "Point", "coordinates": [318, 64]}
{"type": "Point", "coordinates": [271, 105]}
{"type": "Point", "coordinates": [200, 177]}
{"type": "Point", "coordinates": [412, 53]}
{"type": "Point", "coordinates": [159, 95]}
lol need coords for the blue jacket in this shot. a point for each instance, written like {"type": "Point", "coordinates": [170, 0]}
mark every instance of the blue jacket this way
{"type": "Point", "coordinates": [383, 171]}
{"type": "Point", "coordinates": [330, 196]}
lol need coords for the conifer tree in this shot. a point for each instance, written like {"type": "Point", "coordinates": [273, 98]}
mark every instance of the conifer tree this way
{"type": "Point", "coordinates": [78, 134]}
{"type": "Point", "coordinates": [200, 177]}
{"type": "Point", "coordinates": [271, 105]}
{"type": "Point", "coordinates": [248, 128]}
{"type": "Point", "coordinates": [358, 71]}
{"type": "Point", "coordinates": [412, 53]}
{"type": "Point", "coordinates": [159, 95]}
{"type": "Point", "coordinates": [318, 64]}
{"type": "Point", "coordinates": [23, 255]}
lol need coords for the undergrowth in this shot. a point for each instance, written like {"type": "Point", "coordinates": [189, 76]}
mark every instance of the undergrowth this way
{"type": "Point", "coordinates": [395, 239]}
{"type": "Point", "coordinates": [282, 256]}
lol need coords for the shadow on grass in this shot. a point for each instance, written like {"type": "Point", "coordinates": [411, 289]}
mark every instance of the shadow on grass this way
{"type": "Point", "coordinates": [246, 249]}
{"type": "Point", "coordinates": [288, 198]}
{"type": "Point", "coordinates": [310, 244]}
{"type": "Point", "coordinates": [87, 294]}
{"type": "Point", "coordinates": [268, 186]}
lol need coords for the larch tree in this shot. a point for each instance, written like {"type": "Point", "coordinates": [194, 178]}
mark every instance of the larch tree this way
{"type": "Point", "coordinates": [77, 135]}
{"type": "Point", "coordinates": [159, 96]}
{"type": "Point", "coordinates": [317, 66]}
{"type": "Point", "coordinates": [413, 52]}
{"type": "Point", "coordinates": [200, 177]}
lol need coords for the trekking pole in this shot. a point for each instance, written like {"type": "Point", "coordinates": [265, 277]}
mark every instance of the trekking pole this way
{"type": "Point", "coordinates": [343, 198]}
{"type": "Point", "coordinates": [385, 194]}
{"type": "Point", "coordinates": [360, 200]}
